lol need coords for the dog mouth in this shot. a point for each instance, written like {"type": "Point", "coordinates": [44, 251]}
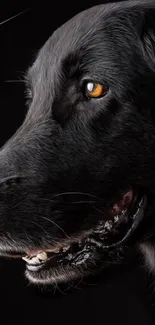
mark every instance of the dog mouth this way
{"type": "Point", "coordinates": [108, 235]}
{"type": "Point", "coordinates": [123, 218]}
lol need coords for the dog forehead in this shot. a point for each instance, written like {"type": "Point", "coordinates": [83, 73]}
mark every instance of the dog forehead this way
{"type": "Point", "coordinates": [69, 38]}
{"type": "Point", "coordinates": [66, 39]}
{"type": "Point", "coordinates": [71, 35]}
{"type": "Point", "coordinates": [79, 29]}
{"type": "Point", "coordinates": [84, 29]}
{"type": "Point", "coordinates": [76, 31]}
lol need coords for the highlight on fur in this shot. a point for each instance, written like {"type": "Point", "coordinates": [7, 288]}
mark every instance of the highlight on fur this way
{"type": "Point", "coordinates": [77, 188]}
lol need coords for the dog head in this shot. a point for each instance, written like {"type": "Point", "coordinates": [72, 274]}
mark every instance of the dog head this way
{"type": "Point", "coordinates": [78, 176]}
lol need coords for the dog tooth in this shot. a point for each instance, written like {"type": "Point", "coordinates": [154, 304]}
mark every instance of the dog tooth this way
{"type": "Point", "coordinates": [31, 260]}
{"type": "Point", "coordinates": [26, 258]}
{"type": "Point", "coordinates": [35, 260]}
{"type": "Point", "coordinates": [65, 248]}
{"type": "Point", "coordinates": [42, 256]}
{"type": "Point", "coordinates": [69, 257]}
{"type": "Point", "coordinates": [108, 225]}
{"type": "Point", "coordinates": [116, 219]}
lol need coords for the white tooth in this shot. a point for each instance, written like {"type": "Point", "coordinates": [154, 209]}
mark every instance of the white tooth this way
{"type": "Point", "coordinates": [26, 258]}
{"type": "Point", "coordinates": [31, 260]}
{"type": "Point", "coordinates": [70, 256]}
{"type": "Point", "coordinates": [65, 248]}
{"type": "Point", "coordinates": [108, 225]}
{"type": "Point", "coordinates": [116, 219]}
{"type": "Point", "coordinates": [34, 260]}
{"type": "Point", "coordinates": [42, 256]}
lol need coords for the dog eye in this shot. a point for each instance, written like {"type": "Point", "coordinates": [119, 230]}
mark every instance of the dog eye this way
{"type": "Point", "coordinates": [95, 90]}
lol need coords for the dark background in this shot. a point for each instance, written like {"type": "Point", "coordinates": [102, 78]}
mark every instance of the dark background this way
{"type": "Point", "coordinates": [124, 295]}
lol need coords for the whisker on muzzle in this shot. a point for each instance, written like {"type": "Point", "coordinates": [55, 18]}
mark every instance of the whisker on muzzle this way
{"type": "Point", "coordinates": [55, 224]}
{"type": "Point", "coordinates": [75, 193]}
{"type": "Point", "coordinates": [13, 17]}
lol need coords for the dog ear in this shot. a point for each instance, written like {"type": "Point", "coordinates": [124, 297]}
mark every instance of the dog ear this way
{"type": "Point", "coordinates": [148, 34]}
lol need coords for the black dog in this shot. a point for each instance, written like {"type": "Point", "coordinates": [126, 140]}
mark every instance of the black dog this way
{"type": "Point", "coordinates": [78, 178]}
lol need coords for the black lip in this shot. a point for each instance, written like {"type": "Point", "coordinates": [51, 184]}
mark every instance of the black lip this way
{"type": "Point", "coordinates": [135, 217]}
{"type": "Point", "coordinates": [79, 253]}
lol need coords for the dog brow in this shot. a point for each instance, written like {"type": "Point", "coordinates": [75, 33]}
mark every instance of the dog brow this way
{"type": "Point", "coordinates": [70, 65]}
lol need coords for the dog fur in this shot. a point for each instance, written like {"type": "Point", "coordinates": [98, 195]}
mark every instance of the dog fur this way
{"type": "Point", "coordinates": [74, 157]}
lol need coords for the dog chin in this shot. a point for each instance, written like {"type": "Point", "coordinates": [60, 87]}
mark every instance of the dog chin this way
{"type": "Point", "coordinates": [61, 275]}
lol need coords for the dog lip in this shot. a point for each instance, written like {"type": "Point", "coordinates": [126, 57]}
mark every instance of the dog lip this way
{"type": "Point", "coordinates": [136, 220]}
{"type": "Point", "coordinates": [56, 249]}
{"type": "Point", "coordinates": [74, 255]}
{"type": "Point", "coordinates": [36, 258]}
{"type": "Point", "coordinates": [11, 254]}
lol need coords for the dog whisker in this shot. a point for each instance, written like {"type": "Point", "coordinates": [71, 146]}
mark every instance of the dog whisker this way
{"type": "Point", "coordinates": [86, 165]}
{"type": "Point", "coordinates": [48, 200]}
{"type": "Point", "coordinates": [58, 288]}
{"type": "Point", "coordinates": [15, 81]}
{"type": "Point", "coordinates": [13, 17]}
{"type": "Point", "coordinates": [35, 223]}
{"type": "Point", "coordinates": [71, 202]}
{"type": "Point", "coordinates": [81, 202]}
{"type": "Point", "coordinates": [75, 193]}
{"type": "Point", "coordinates": [55, 224]}
{"type": "Point", "coordinates": [102, 212]}
{"type": "Point", "coordinates": [47, 235]}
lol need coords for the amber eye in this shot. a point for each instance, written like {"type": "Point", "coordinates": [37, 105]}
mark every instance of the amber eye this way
{"type": "Point", "coordinates": [95, 90]}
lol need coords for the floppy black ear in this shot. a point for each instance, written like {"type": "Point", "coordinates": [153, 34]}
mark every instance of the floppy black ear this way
{"type": "Point", "coordinates": [148, 32]}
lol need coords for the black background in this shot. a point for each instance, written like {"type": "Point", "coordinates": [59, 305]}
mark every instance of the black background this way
{"type": "Point", "coordinates": [124, 295]}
